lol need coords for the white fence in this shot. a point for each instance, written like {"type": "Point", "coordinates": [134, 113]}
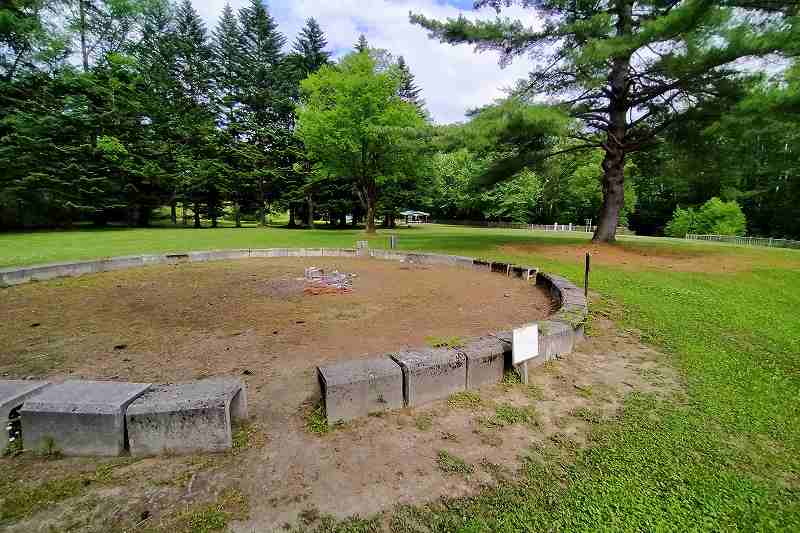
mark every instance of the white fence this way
{"type": "Point", "coordinates": [583, 228]}
{"type": "Point", "coordinates": [746, 241]}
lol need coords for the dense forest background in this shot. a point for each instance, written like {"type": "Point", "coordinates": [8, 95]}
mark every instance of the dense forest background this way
{"type": "Point", "coordinates": [133, 112]}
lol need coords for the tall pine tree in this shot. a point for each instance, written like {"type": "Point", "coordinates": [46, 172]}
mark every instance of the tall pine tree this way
{"type": "Point", "coordinates": [308, 51]}
{"type": "Point", "coordinates": [361, 45]}
{"type": "Point", "coordinates": [408, 90]}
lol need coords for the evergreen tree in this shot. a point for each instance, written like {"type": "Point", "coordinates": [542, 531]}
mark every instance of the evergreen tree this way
{"type": "Point", "coordinates": [227, 49]}
{"type": "Point", "coordinates": [269, 90]}
{"type": "Point", "coordinates": [361, 45]}
{"type": "Point", "coordinates": [264, 84]}
{"type": "Point", "coordinates": [409, 91]}
{"type": "Point", "coordinates": [308, 51]}
{"type": "Point", "coordinates": [197, 167]}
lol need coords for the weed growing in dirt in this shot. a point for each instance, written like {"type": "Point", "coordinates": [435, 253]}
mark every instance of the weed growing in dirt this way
{"type": "Point", "coordinates": [588, 415]}
{"type": "Point", "coordinates": [465, 400]}
{"type": "Point", "coordinates": [452, 464]}
{"type": "Point", "coordinates": [205, 518]}
{"type": "Point", "coordinates": [316, 421]}
{"type": "Point", "coordinates": [508, 415]}
{"type": "Point", "coordinates": [512, 377]}
{"type": "Point", "coordinates": [534, 392]}
{"type": "Point", "coordinates": [423, 421]}
{"type": "Point", "coordinates": [20, 500]}
{"type": "Point", "coordinates": [453, 343]}
{"type": "Point", "coordinates": [249, 436]}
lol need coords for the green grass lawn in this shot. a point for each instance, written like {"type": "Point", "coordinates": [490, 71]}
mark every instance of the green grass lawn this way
{"type": "Point", "coordinates": [722, 456]}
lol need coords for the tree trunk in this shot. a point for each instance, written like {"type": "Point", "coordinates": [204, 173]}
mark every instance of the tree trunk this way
{"type": "Point", "coordinates": [614, 160]}
{"type": "Point", "coordinates": [83, 30]}
{"type": "Point", "coordinates": [310, 201]}
{"type": "Point", "coordinates": [613, 196]}
{"type": "Point", "coordinates": [238, 213]}
{"type": "Point", "coordinates": [292, 223]}
{"type": "Point", "coordinates": [173, 212]}
{"type": "Point", "coordinates": [196, 216]}
{"type": "Point", "coordinates": [372, 199]}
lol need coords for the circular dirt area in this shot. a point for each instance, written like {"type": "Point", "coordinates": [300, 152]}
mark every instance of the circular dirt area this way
{"type": "Point", "coordinates": [248, 317]}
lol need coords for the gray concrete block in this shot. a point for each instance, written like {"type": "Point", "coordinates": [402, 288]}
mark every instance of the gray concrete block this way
{"type": "Point", "coordinates": [314, 252]}
{"type": "Point", "coordinates": [186, 417]}
{"type": "Point", "coordinates": [431, 373]}
{"type": "Point", "coordinates": [485, 361]}
{"type": "Point", "coordinates": [482, 265]}
{"type": "Point", "coordinates": [556, 338]}
{"type": "Point", "coordinates": [269, 252]}
{"type": "Point", "coordinates": [154, 259]}
{"type": "Point", "coordinates": [121, 263]}
{"type": "Point", "coordinates": [79, 417]}
{"type": "Point", "coordinates": [388, 255]}
{"type": "Point", "coordinates": [357, 388]}
{"type": "Point", "coordinates": [13, 394]}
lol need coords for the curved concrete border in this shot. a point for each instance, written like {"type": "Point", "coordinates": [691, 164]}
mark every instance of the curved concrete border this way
{"type": "Point", "coordinates": [350, 391]}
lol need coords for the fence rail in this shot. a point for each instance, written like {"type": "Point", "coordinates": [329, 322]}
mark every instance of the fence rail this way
{"type": "Point", "coordinates": [746, 241]}
{"type": "Point", "coordinates": [581, 228]}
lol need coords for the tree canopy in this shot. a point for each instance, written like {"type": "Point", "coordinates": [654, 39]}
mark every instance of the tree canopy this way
{"type": "Point", "coordinates": [627, 70]}
{"type": "Point", "coordinates": [353, 121]}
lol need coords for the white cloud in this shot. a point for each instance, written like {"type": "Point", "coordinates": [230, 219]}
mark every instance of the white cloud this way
{"type": "Point", "coordinates": [453, 78]}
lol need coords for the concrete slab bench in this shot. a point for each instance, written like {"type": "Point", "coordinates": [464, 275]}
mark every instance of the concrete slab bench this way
{"type": "Point", "coordinates": [431, 373]}
{"type": "Point", "coordinates": [13, 394]}
{"type": "Point", "coordinates": [79, 417]}
{"type": "Point", "coordinates": [352, 389]}
{"type": "Point", "coordinates": [485, 361]}
{"type": "Point", "coordinates": [186, 417]}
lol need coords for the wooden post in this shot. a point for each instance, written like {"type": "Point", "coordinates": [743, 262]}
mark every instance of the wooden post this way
{"type": "Point", "coordinates": [586, 275]}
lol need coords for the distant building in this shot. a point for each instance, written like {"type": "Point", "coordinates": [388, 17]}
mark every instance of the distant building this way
{"type": "Point", "coordinates": [415, 217]}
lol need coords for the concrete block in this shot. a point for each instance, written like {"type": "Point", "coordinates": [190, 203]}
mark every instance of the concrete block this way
{"type": "Point", "coordinates": [431, 373]}
{"type": "Point", "coordinates": [357, 388]}
{"type": "Point", "coordinates": [192, 257]}
{"type": "Point", "coordinates": [121, 263]}
{"type": "Point", "coordinates": [500, 268]}
{"type": "Point", "coordinates": [516, 271]}
{"type": "Point", "coordinates": [555, 339]}
{"type": "Point", "coordinates": [186, 417]}
{"type": "Point", "coordinates": [388, 255]}
{"type": "Point", "coordinates": [154, 259]}
{"type": "Point", "coordinates": [9, 277]}
{"type": "Point", "coordinates": [482, 265]}
{"type": "Point", "coordinates": [79, 417]}
{"type": "Point", "coordinates": [297, 252]}
{"type": "Point", "coordinates": [485, 361]}
{"type": "Point", "coordinates": [13, 394]}
{"type": "Point", "coordinates": [314, 252]}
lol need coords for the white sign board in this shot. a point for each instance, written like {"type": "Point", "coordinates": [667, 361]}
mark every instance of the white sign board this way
{"type": "Point", "coordinates": [525, 344]}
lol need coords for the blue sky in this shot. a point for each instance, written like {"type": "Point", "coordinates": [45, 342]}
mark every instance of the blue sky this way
{"type": "Point", "coordinates": [453, 78]}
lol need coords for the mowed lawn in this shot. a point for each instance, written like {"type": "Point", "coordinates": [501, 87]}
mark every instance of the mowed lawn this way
{"type": "Point", "coordinates": [723, 455]}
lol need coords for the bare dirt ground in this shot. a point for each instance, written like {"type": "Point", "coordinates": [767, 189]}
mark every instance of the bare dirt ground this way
{"type": "Point", "coordinates": [282, 475]}
{"type": "Point", "coordinates": [182, 322]}
{"type": "Point", "coordinates": [637, 256]}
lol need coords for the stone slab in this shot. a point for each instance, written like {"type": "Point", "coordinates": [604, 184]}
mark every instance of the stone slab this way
{"type": "Point", "coordinates": [357, 388]}
{"type": "Point", "coordinates": [13, 394]}
{"type": "Point", "coordinates": [186, 417]}
{"type": "Point", "coordinates": [485, 361]}
{"type": "Point", "coordinates": [79, 417]}
{"type": "Point", "coordinates": [555, 339]}
{"type": "Point", "coordinates": [431, 373]}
